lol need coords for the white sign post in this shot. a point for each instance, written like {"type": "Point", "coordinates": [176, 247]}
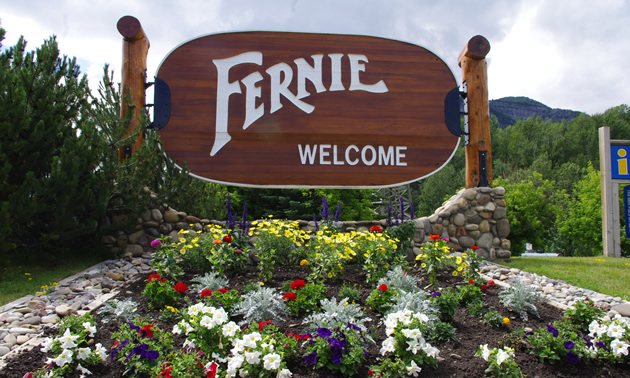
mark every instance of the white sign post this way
{"type": "Point", "coordinates": [613, 157]}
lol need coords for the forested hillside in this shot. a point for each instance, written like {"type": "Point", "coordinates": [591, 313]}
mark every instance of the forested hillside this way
{"type": "Point", "coordinates": [551, 173]}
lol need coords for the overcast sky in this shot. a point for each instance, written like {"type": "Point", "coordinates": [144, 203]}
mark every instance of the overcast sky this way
{"type": "Point", "coordinates": [570, 54]}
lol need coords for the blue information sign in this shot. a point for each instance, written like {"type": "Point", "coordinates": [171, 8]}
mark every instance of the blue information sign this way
{"type": "Point", "coordinates": [619, 157]}
{"type": "Point", "coordinates": [626, 208]}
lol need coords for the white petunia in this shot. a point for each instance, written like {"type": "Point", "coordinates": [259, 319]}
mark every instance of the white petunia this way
{"type": "Point", "coordinates": [229, 329]}
{"type": "Point", "coordinates": [47, 344]}
{"type": "Point", "coordinates": [271, 361]}
{"type": "Point", "coordinates": [68, 340]}
{"type": "Point", "coordinates": [414, 346]}
{"type": "Point", "coordinates": [83, 353]}
{"type": "Point", "coordinates": [485, 352]}
{"type": "Point", "coordinates": [250, 339]}
{"type": "Point", "coordinates": [90, 328]}
{"type": "Point", "coordinates": [220, 316]}
{"type": "Point", "coordinates": [412, 333]}
{"type": "Point", "coordinates": [83, 370]}
{"type": "Point", "coordinates": [207, 322]}
{"type": "Point", "coordinates": [389, 345]}
{"type": "Point", "coordinates": [101, 351]}
{"type": "Point", "coordinates": [502, 356]}
{"type": "Point", "coordinates": [413, 369]}
{"type": "Point", "coordinates": [252, 358]}
{"type": "Point", "coordinates": [431, 351]}
{"type": "Point", "coordinates": [284, 373]}
{"type": "Point", "coordinates": [615, 331]}
{"type": "Point", "coordinates": [63, 358]}
{"type": "Point", "coordinates": [619, 347]}
{"type": "Point", "coordinates": [236, 361]}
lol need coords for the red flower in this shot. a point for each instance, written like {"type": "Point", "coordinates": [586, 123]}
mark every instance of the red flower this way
{"type": "Point", "coordinates": [211, 371]}
{"type": "Point", "coordinates": [262, 325]}
{"type": "Point", "coordinates": [166, 373]}
{"type": "Point", "coordinates": [181, 287]}
{"type": "Point", "coordinates": [490, 283]}
{"type": "Point", "coordinates": [116, 343]}
{"type": "Point", "coordinates": [153, 277]}
{"type": "Point", "coordinates": [302, 337]}
{"type": "Point", "coordinates": [289, 297]}
{"type": "Point", "coordinates": [376, 229]}
{"type": "Point", "coordinates": [146, 331]}
{"type": "Point", "coordinates": [163, 279]}
{"type": "Point", "coordinates": [222, 290]}
{"type": "Point", "coordinates": [383, 287]}
{"type": "Point", "coordinates": [484, 288]}
{"type": "Point", "coordinates": [370, 372]}
{"type": "Point", "coordinates": [227, 239]}
{"type": "Point", "coordinates": [297, 284]}
{"type": "Point", "coordinates": [435, 237]}
{"type": "Point", "coordinates": [206, 293]}
{"type": "Point", "coordinates": [471, 281]}
{"type": "Point", "coordinates": [474, 247]}
{"type": "Point", "coordinates": [238, 251]}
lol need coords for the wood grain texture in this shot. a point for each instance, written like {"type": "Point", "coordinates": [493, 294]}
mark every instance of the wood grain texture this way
{"type": "Point", "coordinates": [410, 114]}
{"type": "Point", "coordinates": [134, 67]}
{"type": "Point", "coordinates": [475, 73]}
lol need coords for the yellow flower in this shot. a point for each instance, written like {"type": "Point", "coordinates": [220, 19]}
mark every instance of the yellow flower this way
{"type": "Point", "coordinates": [262, 284]}
{"type": "Point", "coordinates": [465, 255]}
{"type": "Point", "coordinates": [459, 260]}
{"type": "Point", "coordinates": [506, 322]}
{"type": "Point", "coordinates": [455, 273]}
{"type": "Point", "coordinates": [459, 269]}
{"type": "Point", "coordinates": [423, 265]}
{"type": "Point", "coordinates": [304, 263]}
{"type": "Point", "coordinates": [27, 274]}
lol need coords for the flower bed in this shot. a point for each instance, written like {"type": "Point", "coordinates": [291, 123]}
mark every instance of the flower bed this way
{"type": "Point", "coordinates": [326, 305]}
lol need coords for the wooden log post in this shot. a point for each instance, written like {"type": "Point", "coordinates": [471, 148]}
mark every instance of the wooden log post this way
{"type": "Point", "coordinates": [472, 60]}
{"type": "Point", "coordinates": [134, 67]}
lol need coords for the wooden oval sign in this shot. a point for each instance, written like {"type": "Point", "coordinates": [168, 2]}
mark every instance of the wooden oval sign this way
{"type": "Point", "coordinates": [269, 109]}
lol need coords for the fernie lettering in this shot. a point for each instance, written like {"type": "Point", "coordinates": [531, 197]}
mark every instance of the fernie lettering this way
{"type": "Point", "coordinates": [280, 77]}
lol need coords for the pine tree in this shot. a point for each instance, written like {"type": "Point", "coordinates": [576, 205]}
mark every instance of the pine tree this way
{"type": "Point", "coordinates": [47, 157]}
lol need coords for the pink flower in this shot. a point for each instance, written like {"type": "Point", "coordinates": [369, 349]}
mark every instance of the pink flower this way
{"type": "Point", "coordinates": [155, 244]}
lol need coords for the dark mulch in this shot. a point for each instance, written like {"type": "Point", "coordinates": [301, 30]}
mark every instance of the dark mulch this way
{"type": "Point", "coordinates": [458, 356]}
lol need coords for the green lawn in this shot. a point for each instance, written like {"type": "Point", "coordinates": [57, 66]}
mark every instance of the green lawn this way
{"type": "Point", "coordinates": [17, 281]}
{"type": "Point", "coordinates": [604, 275]}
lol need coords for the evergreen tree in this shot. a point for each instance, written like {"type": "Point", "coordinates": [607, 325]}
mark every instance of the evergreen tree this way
{"type": "Point", "coordinates": [47, 154]}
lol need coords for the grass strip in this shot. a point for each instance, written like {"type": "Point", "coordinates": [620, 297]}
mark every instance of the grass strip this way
{"type": "Point", "coordinates": [601, 274]}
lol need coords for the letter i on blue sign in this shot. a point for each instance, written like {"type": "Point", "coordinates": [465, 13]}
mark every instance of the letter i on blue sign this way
{"type": "Point", "coordinates": [619, 155]}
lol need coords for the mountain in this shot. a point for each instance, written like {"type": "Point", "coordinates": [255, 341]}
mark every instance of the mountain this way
{"type": "Point", "coordinates": [509, 109]}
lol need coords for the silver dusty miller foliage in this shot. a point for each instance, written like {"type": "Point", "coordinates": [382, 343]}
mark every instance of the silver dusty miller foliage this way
{"type": "Point", "coordinates": [211, 281]}
{"type": "Point", "coordinates": [120, 311]}
{"type": "Point", "coordinates": [397, 279]}
{"type": "Point", "coordinates": [336, 313]}
{"type": "Point", "coordinates": [263, 304]}
{"type": "Point", "coordinates": [520, 298]}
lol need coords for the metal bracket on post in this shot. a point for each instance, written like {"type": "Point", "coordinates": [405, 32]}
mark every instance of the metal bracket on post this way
{"type": "Point", "coordinates": [463, 93]}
